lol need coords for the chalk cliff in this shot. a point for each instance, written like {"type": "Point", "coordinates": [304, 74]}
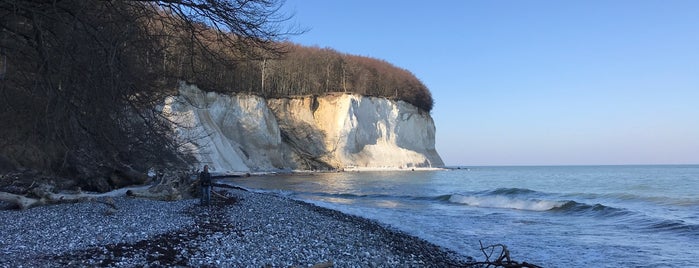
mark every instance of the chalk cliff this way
{"type": "Point", "coordinates": [337, 131]}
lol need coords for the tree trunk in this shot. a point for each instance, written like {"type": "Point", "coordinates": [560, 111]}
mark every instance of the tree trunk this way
{"type": "Point", "coordinates": [21, 201]}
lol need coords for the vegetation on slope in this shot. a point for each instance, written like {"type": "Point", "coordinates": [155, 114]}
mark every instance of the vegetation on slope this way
{"type": "Point", "coordinates": [79, 80]}
{"type": "Point", "coordinates": [304, 70]}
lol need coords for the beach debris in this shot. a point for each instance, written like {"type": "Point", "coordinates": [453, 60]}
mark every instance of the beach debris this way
{"type": "Point", "coordinates": [29, 189]}
{"type": "Point", "coordinates": [503, 259]}
{"type": "Point", "coordinates": [43, 194]}
{"type": "Point", "coordinates": [326, 264]}
{"type": "Point", "coordinates": [168, 186]}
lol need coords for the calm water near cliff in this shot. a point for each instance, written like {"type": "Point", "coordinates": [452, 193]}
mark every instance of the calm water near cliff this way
{"type": "Point", "coordinates": [578, 216]}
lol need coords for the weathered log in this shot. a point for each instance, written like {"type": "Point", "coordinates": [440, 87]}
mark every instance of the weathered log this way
{"type": "Point", "coordinates": [326, 264]}
{"type": "Point", "coordinates": [503, 259]}
{"type": "Point", "coordinates": [45, 195]}
{"type": "Point", "coordinates": [170, 194]}
{"type": "Point", "coordinates": [21, 201]}
{"type": "Point", "coordinates": [168, 188]}
{"type": "Point", "coordinates": [221, 185]}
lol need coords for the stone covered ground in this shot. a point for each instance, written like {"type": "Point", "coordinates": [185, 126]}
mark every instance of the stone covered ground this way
{"type": "Point", "coordinates": [241, 229]}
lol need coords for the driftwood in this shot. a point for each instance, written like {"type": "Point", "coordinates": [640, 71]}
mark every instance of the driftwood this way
{"type": "Point", "coordinates": [21, 201]}
{"type": "Point", "coordinates": [46, 196]}
{"type": "Point", "coordinates": [178, 186]}
{"type": "Point", "coordinates": [228, 186]}
{"type": "Point", "coordinates": [220, 195]}
{"type": "Point", "coordinates": [27, 190]}
{"type": "Point", "coordinates": [503, 259]}
{"type": "Point", "coordinates": [327, 264]}
{"type": "Point", "coordinates": [167, 187]}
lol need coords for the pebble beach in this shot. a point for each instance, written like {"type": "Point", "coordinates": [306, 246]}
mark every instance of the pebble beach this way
{"type": "Point", "coordinates": [241, 229]}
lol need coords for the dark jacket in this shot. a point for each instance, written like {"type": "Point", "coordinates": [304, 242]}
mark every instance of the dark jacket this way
{"type": "Point", "coordinates": [205, 178]}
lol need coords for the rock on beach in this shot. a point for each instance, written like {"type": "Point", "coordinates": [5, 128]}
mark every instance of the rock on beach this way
{"type": "Point", "coordinates": [244, 229]}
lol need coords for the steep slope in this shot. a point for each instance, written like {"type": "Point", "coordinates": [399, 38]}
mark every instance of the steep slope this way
{"type": "Point", "coordinates": [349, 130]}
{"type": "Point", "coordinates": [227, 132]}
{"type": "Point", "coordinates": [244, 133]}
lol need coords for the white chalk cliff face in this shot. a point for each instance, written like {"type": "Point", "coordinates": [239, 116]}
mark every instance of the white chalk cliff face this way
{"type": "Point", "coordinates": [248, 133]}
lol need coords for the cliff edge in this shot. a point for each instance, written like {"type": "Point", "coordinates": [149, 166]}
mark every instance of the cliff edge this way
{"type": "Point", "coordinates": [242, 133]}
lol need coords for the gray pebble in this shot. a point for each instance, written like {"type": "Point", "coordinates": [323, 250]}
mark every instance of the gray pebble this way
{"type": "Point", "coordinates": [258, 230]}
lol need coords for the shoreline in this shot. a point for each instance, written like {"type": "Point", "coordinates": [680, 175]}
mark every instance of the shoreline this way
{"type": "Point", "coordinates": [301, 172]}
{"type": "Point", "coordinates": [248, 229]}
{"type": "Point", "coordinates": [372, 169]}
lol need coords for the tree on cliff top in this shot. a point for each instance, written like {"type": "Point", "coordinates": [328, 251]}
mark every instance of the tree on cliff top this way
{"type": "Point", "coordinates": [313, 70]}
{"type": "Point", "coordinates": [81, 78]}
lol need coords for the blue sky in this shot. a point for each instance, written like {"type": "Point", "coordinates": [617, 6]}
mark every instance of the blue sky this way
{"type": "Point", "coordinates": [535, 82]}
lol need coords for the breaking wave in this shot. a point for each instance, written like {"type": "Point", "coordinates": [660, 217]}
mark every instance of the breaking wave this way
{"type": "Point", "coordinates": [502, 201]}
{"type": "Point", "coordinates": [516, 199]}
{"type": "Point", "coordinates": [526, 199]}
{"type": "Point", "coordinates": [509, 198]}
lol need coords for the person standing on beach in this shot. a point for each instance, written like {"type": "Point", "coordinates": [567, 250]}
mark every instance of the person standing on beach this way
{"type": "Point", "coordinates": [205, 183]}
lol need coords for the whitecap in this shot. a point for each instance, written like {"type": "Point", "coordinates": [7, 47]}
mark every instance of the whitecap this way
{"type": "Point", "coordinates": [499, 201]}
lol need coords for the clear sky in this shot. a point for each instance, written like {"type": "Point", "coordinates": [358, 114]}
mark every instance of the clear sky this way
{"type": "Point", "coordinates": [535, 82]}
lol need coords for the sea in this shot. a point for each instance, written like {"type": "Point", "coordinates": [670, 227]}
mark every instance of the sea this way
{"type": "Point", "coordinates": [552, 216]}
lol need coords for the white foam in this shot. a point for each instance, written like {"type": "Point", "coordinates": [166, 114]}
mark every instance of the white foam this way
{"type": "Point", "coordinates": [499, 201]}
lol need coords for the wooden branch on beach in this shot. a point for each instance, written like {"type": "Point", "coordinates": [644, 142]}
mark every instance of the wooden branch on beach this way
{"type": "Point", "coordinates": [168, 187]}
{"type": "Point", "coordinates": [21, 201]}
{"type": "Point", "coordinates": [174, 186]}
{"type": "Point", "coordinates": [220, 195]}
{"type": "Point", "coordinates": [326, 264]}
{"type": "Point", "coordinates": [504, 253]}
{"type": "Point", "coordinates": [45, 195]}
{"type": "Point", "coordinates": [228, 186]}
{"type": "Point", "coordinates": [503, 259]}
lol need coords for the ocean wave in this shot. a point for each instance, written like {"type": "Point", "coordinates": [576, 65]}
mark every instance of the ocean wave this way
{"type": "Point", "coordinates": [675, 226]}
{"type": "Point", "coordinates": [502, 201]}
{"type": "Point", "coordinates": [524, 199]}
{"type": "Point", "coordinates": [379, 196]}
{"type": "Point", "coordinates": [594, 210]}
{"type": "Point", "coordinates": [629, 197]}
{"type": "Point", "coordinates": [512, 191]}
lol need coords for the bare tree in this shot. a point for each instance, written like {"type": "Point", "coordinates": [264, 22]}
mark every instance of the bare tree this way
{"type": "Point", "coordinates": [82, 78]}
